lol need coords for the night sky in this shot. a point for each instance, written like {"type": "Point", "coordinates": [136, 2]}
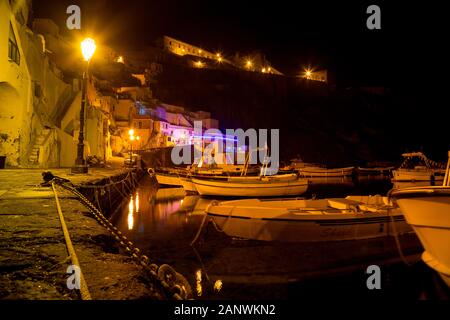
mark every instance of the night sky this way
{"type": "Point", "coordinates": [292, 34]}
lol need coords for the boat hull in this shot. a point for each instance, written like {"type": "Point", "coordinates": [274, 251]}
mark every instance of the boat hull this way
{"type": "Point", "coordinates": [168, 179]}
{"type": "Point", "coordinates": [427, 210]}
{"type": "Point", "coordinates": [251, 188]}
{"type": "Point", "coordinates": [290, 224]}
{"type": "Point", "coordinates": [321, 172]}
{"type": "Point", "coordinates": [415, 175]}
{"type": "Point", "coordinates": [188, 185]}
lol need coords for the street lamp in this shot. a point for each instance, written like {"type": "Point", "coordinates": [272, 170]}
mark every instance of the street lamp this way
{"type": "Point", "coordinates": [87, 49]}
{"type": "Point", "coordinates": [308, 74]}
{"type": "Point", "coordinates": [131, 134]}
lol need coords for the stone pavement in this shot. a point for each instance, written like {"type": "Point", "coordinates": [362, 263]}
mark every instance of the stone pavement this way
{"type": "Point", "coordinates": [33, 255]}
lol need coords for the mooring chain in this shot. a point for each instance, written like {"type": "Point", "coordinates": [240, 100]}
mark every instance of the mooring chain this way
{"type": "Point", "coordinates": [173, 283]}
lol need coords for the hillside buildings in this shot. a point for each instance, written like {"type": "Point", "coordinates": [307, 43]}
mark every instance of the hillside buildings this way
{"type": "Point", "coordinates": [202, 58]}
{"type": "Point", "coordinates": [40, 100]}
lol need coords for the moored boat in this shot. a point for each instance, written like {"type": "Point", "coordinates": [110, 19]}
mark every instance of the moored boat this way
{"type": "Point", "coordinates": [417, 167]}
{"type": "Point", "coordinates": [427, 210]}
{"type": "Point", "coordinates": [309, 172]}
{"type": "Point", "coordinates": [299, 220]}
{"type": "Point", "coordinates": [168, 179]}
{"type": "Point", "coordinates": [265, 186]}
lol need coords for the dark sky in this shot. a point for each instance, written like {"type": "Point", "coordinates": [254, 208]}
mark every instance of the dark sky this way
{"type": "Point", "coordinates": [292, 34]}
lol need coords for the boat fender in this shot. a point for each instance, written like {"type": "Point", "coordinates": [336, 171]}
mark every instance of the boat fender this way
{"type": "Point", "coordinates": [151, 172]}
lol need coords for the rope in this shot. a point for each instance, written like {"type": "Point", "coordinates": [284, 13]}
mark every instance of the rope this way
{"type": "Point", "coordinates": [85, 295]}
{"type": "Point", "coordinates": [397, 240]}
{"type": "Point", "coordinates": [205, 217]}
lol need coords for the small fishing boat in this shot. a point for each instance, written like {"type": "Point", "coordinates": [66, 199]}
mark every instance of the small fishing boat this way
{"type": "Point", "coordinates": [310, 172]}
{"type": "Point", "coordinates": [417, 167]}
{"type": "Point", "coordinates": [262, 186]}
{"type": "Point", "coordinates": [300, 220]}
{"type": "Point", "coordinates": [427, 210]}
{"type": "Point", "coordinates": [168, 179]}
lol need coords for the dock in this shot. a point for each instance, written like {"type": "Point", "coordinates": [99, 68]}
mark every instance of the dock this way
{"type": "Point", "coordinates": [33, 252]}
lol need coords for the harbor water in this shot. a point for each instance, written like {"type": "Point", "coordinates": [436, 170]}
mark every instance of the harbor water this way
{"type": "Point", "coordinates": [164, 221]}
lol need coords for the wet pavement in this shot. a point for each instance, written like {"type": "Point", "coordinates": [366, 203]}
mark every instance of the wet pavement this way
{"type": "Point", "coordinates": [33, 254]}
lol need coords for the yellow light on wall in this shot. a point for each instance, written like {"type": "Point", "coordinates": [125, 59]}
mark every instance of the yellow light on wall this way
{"type": "Point", "coordinates": [88, 47]}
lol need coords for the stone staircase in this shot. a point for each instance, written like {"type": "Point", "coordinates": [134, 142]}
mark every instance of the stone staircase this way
{"type": "Point", "coordinates": [33, 158]}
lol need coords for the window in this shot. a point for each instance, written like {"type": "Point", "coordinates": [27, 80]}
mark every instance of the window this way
{"type": "Point", "coordinates": [140, 124]}
{"type": "Point", "coordinates": [13, 49]}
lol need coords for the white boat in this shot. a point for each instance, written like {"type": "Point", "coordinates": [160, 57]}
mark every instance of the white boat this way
{"type": "Point", "coordinates": [168, 179]}
{"type": "Point", "coordinates": [419, 173]}
{"type": "Point", "coordinates": [427, 210]}
{"type": "Point", "coordinates": [417, 167]}
{"type": "Point", "coordinates": [266, 186]}
{"type": "Point", "coordinates": [292, 220]}
{"type": "Point", "coordinates": [309, 172]}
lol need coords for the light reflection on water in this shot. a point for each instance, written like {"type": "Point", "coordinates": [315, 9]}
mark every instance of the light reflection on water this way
{"type": "Point", "coordinates": [163, 222]}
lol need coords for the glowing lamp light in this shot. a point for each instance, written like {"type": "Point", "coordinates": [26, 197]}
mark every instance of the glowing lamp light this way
{"type": "Point", "coordinates": [131, 132]}
{"type": "Point", "coordinates": [88, 47]}
{"type": "Point", "coordinates": [138, 138]}
{"type": "Point", "coordinates": [249, 63]}
{"type": "Point", "coordinates": [131, 138]}
{"type": "Point", "coordinates": [218, 285]}
{"type": "Point", "coordinates": [263, 70]}
{"type": "Point", "coordinates": [308, 74]}
{"type": "Point", "coordinates": [120, 59]}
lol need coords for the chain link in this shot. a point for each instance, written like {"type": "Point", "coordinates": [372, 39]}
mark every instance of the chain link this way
{"type": "Point", "coordinates": [174, 284]}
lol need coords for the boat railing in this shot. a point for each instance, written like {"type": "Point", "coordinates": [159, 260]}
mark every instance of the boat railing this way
{"type": "Point", "coordinates": [446, 182]}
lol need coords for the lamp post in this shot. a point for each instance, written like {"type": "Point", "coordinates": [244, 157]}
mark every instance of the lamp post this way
{"type": "Point", "coordinates": [131, 134]}
{"type": "Point", "coordinates": [87, 49]}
